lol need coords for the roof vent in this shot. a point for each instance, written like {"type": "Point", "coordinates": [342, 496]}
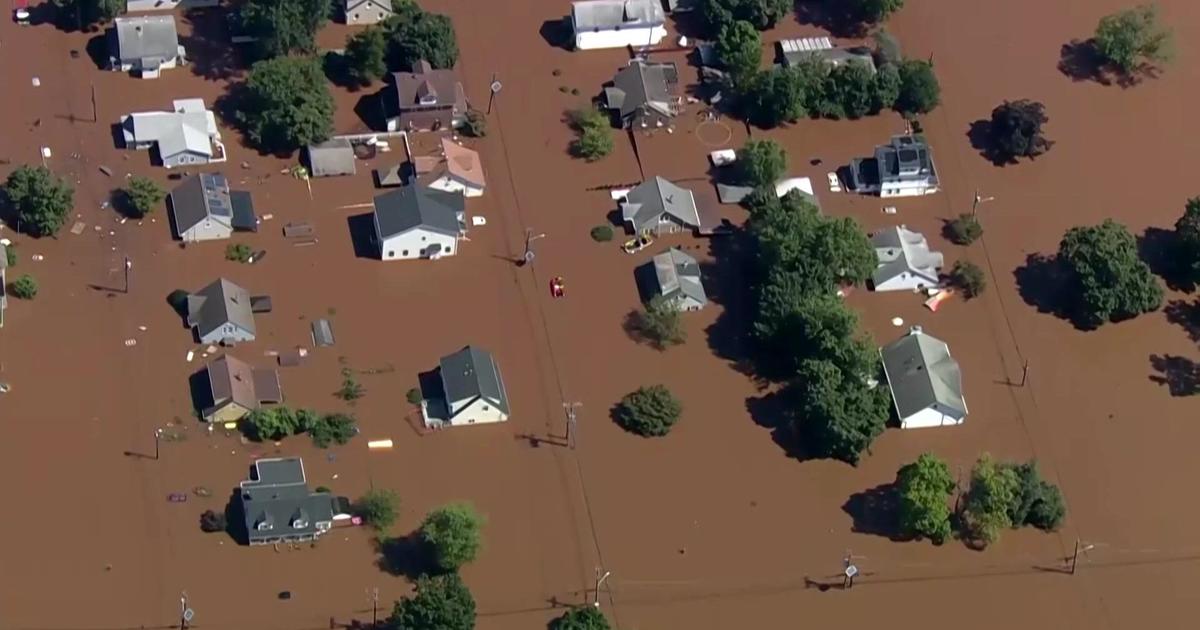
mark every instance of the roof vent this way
{"type": "Point", "coordinates": [915, 330]}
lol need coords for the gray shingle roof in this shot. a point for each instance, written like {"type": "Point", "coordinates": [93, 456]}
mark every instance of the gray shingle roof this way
{"type": "Point", "coordinates": [472, 373]}
{"type": "Point", "coordinates": [642, 84]}
{"type": "Point", "coordinates": [678, 276]}
{"type": "Point", "coordinates": [653, 198]}
{"type": "Point", "coordinates": [413, 206]}
{"type": "Point", "coordinates": [277, 495]}
{"type": "Point", "coordinates": [149, 38]}
{"type": "Point", "coordinates": [217, 304]}
{"type": "Point", "coordinates": [606, 14]}
{"type": "Point", "coordinates": [901, 250]}
{"type": "Point", "coordinates": [922, 374]}
{"type": "Point", "coordinates": [199, 197]}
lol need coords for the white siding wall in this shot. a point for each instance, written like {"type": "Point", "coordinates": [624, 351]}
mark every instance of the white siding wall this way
{"type": "Point", "coordinates": [906, 189]}
{"type": "Point", "coordinates": [412, 245]}
{"type": "Point", "coordinates": [905, 282]}
{"type": "Point", "coordinates": [182, 159]}
{"type": "Point", "coordinates": [207, 230]}
{"type": "Point", "coordinates": [478, 412]}
{"type": "Point", "coordinates": [926, 418]}
{"type": "Point", "coordinates": [366, 14]}
{"type": "Point", "coordinates": [634, 36]}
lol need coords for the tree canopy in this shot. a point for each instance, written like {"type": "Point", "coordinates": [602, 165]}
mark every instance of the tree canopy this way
{"type": "Point", "coordinates": [739, 47]}
{"type": "Point", "coordinates": [769, 98]}
{"type": "Point", "coordinates": [366, 55]}
{"type": "Point", "coordinates": [282, 27]}
{"type": "Point", "coordinates": [762, 14]}
{"type": "Point", "coordinates": [814, 87]}
{"type": "Point", "coordinates": [581, 618]}
{"type": "Point", "coordinates": [1016, 130]}
{"type": "Point", "coordinates": [838, 414]}
{"type": "Point", "coordinates": [920, 91]}
{"type": "Point", "coordinates": [924, 487]}
{"type": "Point", "coordinates": [453, 532]}
{"type": "Point", "coordinates": [969, 278]}
{"type": "Point", "coordinates": [649, 412]}
{"type": "Point", "coordinates": [594, 139]}
{"type": "Point", "coordinates": [660, 323]}
{"type": "Point", "coordinates": [965, 229]}
{"type": "Point", "coordinates": [1038, 503]}
{"type": "Point", "coordinates": [84, 13]}
{"type": "Point", "coordinates": [1111, 282]}
{"type": "Point", "coordinates": [874, 11]}
{"type": "Point", "coordinates": [287, 104]}
{"type": "Point", "coordinates": [25, 287]}
{"type": "Point", "coordinates": [420, 35]}
{"type": "Point", "coordinates": [143, 194]}
{"type": "Point", "coordinates": [1187, 238]}
{"type": "Point", "coordinates": [378, 508]}
{"type": "Point", "coordinates": [761, 163]}
{"type": "Point", "coordinates": [442, 602]}
{"type": "Point", "coordinates": [994, 489]}
{"type": "Point", "coordinates": [42, 201]}
{"type": "Point", "coordinates": [1132, 40]}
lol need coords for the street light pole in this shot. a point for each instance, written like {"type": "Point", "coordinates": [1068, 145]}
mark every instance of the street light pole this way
{"type": "Point", "coordinates": [600, 579]}
{"type": "Point", "coordinates": [978, 200]}
{"type": "Point", "coordinates": [157, 438]}
{"type": "Point", "coordinates": [530, 237]}
{"type": "Point", "coordinates": [128, 266]}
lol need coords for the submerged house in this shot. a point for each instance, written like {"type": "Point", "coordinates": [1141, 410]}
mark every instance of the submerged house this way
{"type": "Point", "coordinates": [278, 507]}
{"type": "Point", "coordinates": [187, 135]}
{"type": "Point", "coordinates": [675, 276]}
{"type": "Point", "coordinates": [905, 261]}
{"type": "Point", "coordinates": [146, 45]}
{"type": "Point", "coordinates": [642, 95]}
{"type": "Point", "coordinates": [467, 389]}
{"type": "Point", "coordinates": [416, 221]}
{"type": "Point", "coordinates": [901, 168]}
{"type": "Point", "coordinates": [658, 206]}
{"type": "Point", "coordinates": [236, 389]}
{"type": "Point", "coordinates": [203, 208]}
{"type": "Point", "coordinates": [221, 312]}
{"type": "Point", "coordinates": [617, 23]}
{"type": "Point", "coordinates": [925, 381]}
{"type": "Point", "coordinates": [427, 99]}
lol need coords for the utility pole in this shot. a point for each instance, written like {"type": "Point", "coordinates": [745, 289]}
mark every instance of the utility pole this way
{"type": "Point", "coordinates": [95, 112]}
{"type": "Point", "coordinates": [185, 613]}
{"type": "Point", "coordinates": [572, 423]}
{"type": "Point", "coordinates": [494, 89]}
{"type": "Point", "coordinates": [530, 237]}
{"type": "Point", "coordinates": [600, 579]}
{"type": "Point", "coordinates": [374, 608]}
{"type": "Point", "coordinates": [1079, 547]}
{"type": "Point", "coordinates": [157, 438]}
{"type": "Point", "coordinates": [849, 571]}
{"type": "Point", "coordinates": [978, 200]}
{"type": "Point", "coordinates": [1024, 372]}
{"type": "Point", "coordinates": [128, 266]}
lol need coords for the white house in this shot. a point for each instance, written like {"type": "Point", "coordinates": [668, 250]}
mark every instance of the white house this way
{"type": "Point", "coordinates": [902, 168]}
{"type": "Point", "coordinates": [458, 170]}
{"type": "Point", "coordinates": [367, 11]}
{"type": "Point", "coordinates": [187, 135]}
{"type": "Point", "coordinates": [905, 261]}
{"type": "Point", "coordinates": [468, 389]}
{"type": "Point", "coordinates": [617, 23]}
{"type": "Point", "coordinates": [926, 383]}
{"type": "Point", "coordinates": [418, 222]}
{"type": "Point", "coordinates": [146, 45]}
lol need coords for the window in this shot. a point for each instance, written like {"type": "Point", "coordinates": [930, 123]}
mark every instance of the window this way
{"type": "Point", "coordinates": [486, 408]}
{"type": "Point", "coordinates": [299, 523]}
{"type": "Point", "coordinates": [391, 254]}
{"type": "Point", "coordinates": [404, 253]}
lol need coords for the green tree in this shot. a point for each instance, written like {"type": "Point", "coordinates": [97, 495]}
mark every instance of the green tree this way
{"type": "Point", "coordinates": [887, 47]}
{"type": "Point", "coordinates": [812, 326]}
{"type": "Point", "coordinates": [211, 522]}
{"type": "Point", "coordinates": [594, 139]}
{"type": "Point", "coordinates": [413, 396]}
{"type": "Point", "coordinates": [965, 229]}
{"type": "Point", "coordinates": [659, 322]}
{"type": "Point", "coordinates": [453, 531]}
{"type": "Point", "coordinates": [85, 13]}
{"type": "Point", "coordinates": [772, 97]}
{"type": "Point", "coordinates": [924, 486]}
{"type": "Point", "coordinates": [649, 411]}
{"type": "Point", "coordinates": [602, 233]}
{"type": "Point", "coordinates": [790, 234]}
{"type": "Point", "coordinates": [1111, 281]}
{"type": "Point", "coordinates": [855, 88]}
{"type": "Point", "coordinates": [1016, 129]}
{"type": "Point", "coordinates": [994, 490]}
{"type": "Point", "coordinates": [763, 14]}
{"type": "Point", "coordinates": [41, 200]}
{"type": "Point", "coordinates": [761, 163]}
{"type": "Point", "coordinates": [272, 423]}
{"type": "Point", "coordinates": [143, 194]}
{"type": "Point", "coordinates": [334, 428]}
{"type": "Point", "coordinates": [282, 27]}
{"type": "Point", "coordinates": [838, 414]}
{"type": "Point", "coordinates": [1187, 238]}
{"type": "Point", "coordinates": [739, 47]}
{"type": "Point", "coordinates": [238, 252]}
{"type": "Point", "coordinates": [25, 287]}
{"type": "Point", "coordinates": [1133, 40]}
{"type": "Point", "coordinates": [474, 124]}
{"type": "Point", "coordinates": [920, 91]}
{"type": "Point", "coordinates": [378, 508]}
{"type": "Point", "coordinates": [1038, 502]}
{"type": "Point", "coordinates": [366, 55]}
{"type": "Point", "coordinates": [287, 104]}
{"type": "Point", "coordinates": [10, 255]}
{"type": "Point", "coordinates": [581, 618]}
{"type": "Point", "coordinates": [351, 390]}
{"type": "Point", "coordinates": [427, 36]}
{"type": "Point", "coordinates": [886, 88]}
{"type": "Point", "coordinates": [874, 11]}
{"type": "Point", "coordinates": [442, 602]}
{"type": "Point", "coordinates": [969, 278]}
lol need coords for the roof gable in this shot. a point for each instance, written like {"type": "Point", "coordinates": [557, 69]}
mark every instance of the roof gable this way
{"type": "Point", "coordinates": [472, 373]}
{"type": "Point", "coordinates": [900, 250]}
{"type": "Point", "coordinates": [922, 374]}
{"type": "Point", "coordinates": [655, 197]}
{"type": "Point", "coordinates": [416, 206]}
